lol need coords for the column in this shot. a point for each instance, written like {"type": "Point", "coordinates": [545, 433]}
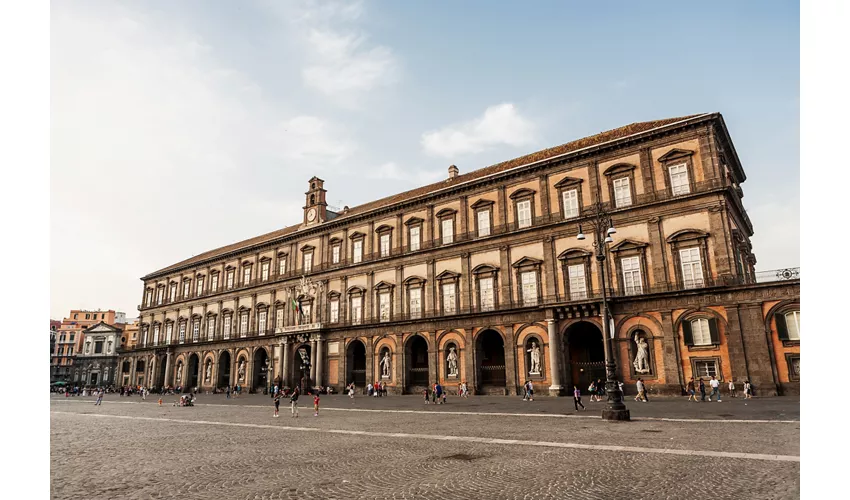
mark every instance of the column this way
{"type": "Point", "coordinates": [313, 359]}
{"type": "Point", "coordinates": [169, 359]}
{"type": "Point", "coordinates": [284, 376]}
{"type": "Point", "coordinates": [279, 363]}
{"type": "Point", "coordinates": [554, 368]}
{"type": "Point", "coordinates": [320, 360]}
{"type": "Point", "coordinates": [512, 380]}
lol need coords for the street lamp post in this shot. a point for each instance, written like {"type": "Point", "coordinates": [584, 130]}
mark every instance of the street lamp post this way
{"type": "Point", "coordinates": [603, 228]}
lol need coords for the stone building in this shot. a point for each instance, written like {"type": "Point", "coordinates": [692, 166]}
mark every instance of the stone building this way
{"type": "Point", "coordinates": [69, 339]}
{"type": "Point", "coordinates": [96, 364]}
{"type": "Point", "coordinates": [481, 278]}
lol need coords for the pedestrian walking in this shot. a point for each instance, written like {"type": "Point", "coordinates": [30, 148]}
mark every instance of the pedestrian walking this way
{"type": "Point", "coordinates": [691, 390]}
{"type": "Point", "coordinates": [591, 389]}
{"type": "Point", "coordinates": [293, 402]}
{"type": "Point", "coordinates": [732, 391]}
{"type": "Point", "coordinates": [425, 393]}
{"type": "Point", "coordinates": [465, 390]}
{"type": "Point", "coordinates": [715, 388]}
{"type": "Point", "coordinates": [577, 398]}
{"type": "Point", "coordinates": [351, 390]}
{"type": "Point", "coordinates": [438, 393]}
{"type": "Point", "coordinates": [227, 392]}
{"type": "Point", "coordinates": [159, 401]}
{"type": "Point", "coordinates": [530, 389]}
{"type": "Point", "coordinates": [316, 405]}
{"type": "Point", "coordinates": [277, 405]}
{"type": "Point", "coordinates": [99, 398]}
{"type": "Point", "coordinates": [701, 389]}
{"type": "Point", "coordinates": [641, 389]}
{"type": "Point", "coordinates": [748, 390]}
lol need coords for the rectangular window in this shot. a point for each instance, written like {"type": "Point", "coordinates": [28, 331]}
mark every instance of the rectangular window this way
{"type": "Point", "coordinates": [384, 306]}
{"type": "Point", "coordinates": [196, 330]}
{"type": "Point", "coordinates": [385, 245]}
{"type": "Point", "coordinates": [278, 317]}
{"type": "Point", "coordinates": [356, 310]}
{"type": "Point", "coordinates": [169, 332]}
{"type": "Point", "coordinates": [485, 288]}
{"type": "Point", "coordinates": [199, 289]}
{"type": "Point", "coordinates": [98, 347]}
{"type": "Point", "coordinates": [414, 297]}
{"type": "Point", "coordinates": [246, 275]}
{"type": "Point", "coordinates": [156, 334]}
{"type": "Point", "coordinates": [210, 328]}
{"type": "Point", "coordinates": [230, 279]}
{"type": "Point", "coordinates": [149, 294]}
{"type": "Point", "coordinates": [335, 254]}
{"type": "Point", "coordinates": [449, 306]}
{"type": "Point", "coordinates": [357, 251]}
{"type": "Point", "coordinates": [172, 294]}
{"type": "Point", "coordinates": [186, 287]}
{"type": "Point", "coordinates": [261, 321]}
{"type": "Point", "coordinates": [792, 321]}
{"type": "Point", "coordinates": [159, 292]}
{"type": "Point", "coordinates": [335, 311]}
{"type": "Point", "coordinates": [701, 332]}
{"type": "Point", "coordinates": [148, 300]}
{"type": "Point", "coordinates": [578, 285]}
{"type": "Point", "coordinates": [181, 333]}
{"type": "Point", "coordinates": [570, 198]}
{"type": "Point", "coordinates": [281, 265]}
{"type": "Point", "coordinates": [414, 238]}
{"type": "Point", "coordinates": [679, 179]}
{"type": "Point", "coordinates": [243, 324]}
{"type": "Point", "coordinates": [622, 192]}
{"type": "Point", "coordinates": [529, 288]}
{"type": "Point", "coordinates": [226, 327]}
{"type": "Point", "coordinates": [308, 262]}
{"type": "Point", "coordinates": [306, 308]}
{"type": "Point", "coordinates": [705, 368]}
{"type": "Point", "coordinates": [448, 228]}
{"type": "Point", "coordinates": [214, 283]}
{"type": "Point", "coordinates": [523, 211]}
{"type": "Point", "coordinates": [691, 267]}
{"type": "Point", "coordinates": [631, 275]}
{"type": "Point", "coordinates": [483, 223]}
{"type": "Point", "coordinates": [264, 271]}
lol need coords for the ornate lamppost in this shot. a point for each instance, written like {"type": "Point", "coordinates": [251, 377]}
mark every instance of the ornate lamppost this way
{"type": "Point", "coordinates": [603, 228]}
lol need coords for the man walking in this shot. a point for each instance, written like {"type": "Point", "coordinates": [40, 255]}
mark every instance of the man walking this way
{"type": "Point", "coordinates": [99, 398]}
{"type": "Point", "coordinates": [577, 398]}
{"type": "Point", "coordinates": [715, 388]}
{"type": "Point", "coordinates": [732, 388]}
{"type": "Point", "coordinates": [691, 391]}
{"type": "Point", "coordinates": [293, 402]}
{"type": "Point", "coordinates": [640, 391]}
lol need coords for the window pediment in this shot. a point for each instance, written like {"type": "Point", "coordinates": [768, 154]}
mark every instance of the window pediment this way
{"type": "Point", "coordinates": [383, 228]}
{"type": "Point", "coordinates": [628, 245]}
{"type": "Point", "coordinates": [522, 193]}
{"type": "Point", "coordinates": [447, 275]}
{"type": "Point", "coordinates": [527, 262]}
{"type": "Point", "coordinates": [687, 235]}
{"type": "Point", "coordinates": [356, 235]}
{"type": "Point", "coordinates": [246, 262]}
{"type": "Point", "coordinates": [414, 281]}
{"type": "Point", "coordinates": [265, 259]}
{"type": "Point", "coordinates": [575, 253]}
{"type": "Point", "coordinates": [414, 221]}
{"type": "Point", "coordinates": [619, 168]}
{"type": "Point", "coordinates": [482, 203]}
{"type": "Point", "coordinates": [568, 181]}
{"type": "Point", "coordinates": [355, 290]}
{"type": "Point", "coordinates": [307, 248]}
{"type": "Point", "coordinates": [383, 285]}
{"type": "Point", "coordinates": [333, 295]}
{"type": "Point", "coordinates": [484, 269]}
{"type": "Point", "coordinates": [334, 240]}
{"type": "Point", "coordinates": [675, 154]}
{"type": "Point", "coordinates": [446, 212]}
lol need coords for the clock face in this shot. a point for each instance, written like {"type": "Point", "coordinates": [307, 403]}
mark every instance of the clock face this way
{"type": "Point", "coordinates": [311, 214]}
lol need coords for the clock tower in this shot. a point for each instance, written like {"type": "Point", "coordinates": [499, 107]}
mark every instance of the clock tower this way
{"type": "Point", "coordinates": [315, 210]}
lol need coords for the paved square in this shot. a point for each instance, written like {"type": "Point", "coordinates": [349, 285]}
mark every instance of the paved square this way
{"type": "Point", "coordinates": [397, 447]}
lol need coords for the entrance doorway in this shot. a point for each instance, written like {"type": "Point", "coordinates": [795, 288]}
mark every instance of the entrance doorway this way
{"type": "Point", "coordinates": [586, 361]}
{"type": "Point", "coordinates": [161, 377]}
{"type": "Point", "coordinates": [261, 370]}
{"type": "Point", "coordinates": [224, 369]}
{"type": "Point", "coordinates": [355, 360]}
{"type": "Point", "coordinates": [301, 367]}
{"type": "Point", "coordinates": [490, 355]}
{"type": "Point", "coordinates": [416, 354]}
{"type": "Point", "coordinates": [192, 376]}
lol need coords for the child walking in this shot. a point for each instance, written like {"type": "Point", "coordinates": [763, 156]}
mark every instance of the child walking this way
{"type": "Point", "coordinates": [316, 405]}
{"type": "Point", "coordinates": [277, 404]}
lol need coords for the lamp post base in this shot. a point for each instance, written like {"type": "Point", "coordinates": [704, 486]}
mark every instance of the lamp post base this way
{"type": "Point", "coordinates": [620, 415]}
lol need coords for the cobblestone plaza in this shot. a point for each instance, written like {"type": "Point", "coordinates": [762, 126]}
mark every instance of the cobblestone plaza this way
{"type": "Point", "coordinates": [397, 447]}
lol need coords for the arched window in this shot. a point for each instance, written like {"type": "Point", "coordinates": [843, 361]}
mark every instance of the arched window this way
{"type": "Point", "coordinates": [788, 325]}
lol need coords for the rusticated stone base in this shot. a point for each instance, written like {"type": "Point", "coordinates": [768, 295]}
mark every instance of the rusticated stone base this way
{"type": "Point", "coordinates": [619, 415]}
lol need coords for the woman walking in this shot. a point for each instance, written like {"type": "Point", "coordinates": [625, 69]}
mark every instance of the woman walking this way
{"type": "Point", "coordinates": [592, 390]}
{"type": "Point", "coordinates": [748, 390]}
{"type": "Point", "coordinates": [577, 398]}
{"type": "Point", "coordinates": [692, 393]}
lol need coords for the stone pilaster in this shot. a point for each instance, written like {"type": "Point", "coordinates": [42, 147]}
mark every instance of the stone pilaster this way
{"type": "Point", "coordinates": [510, 363]}
{"type": "Point", "coordinates": [554, 367]}
{"type": "Point", "coordinates": [755, 342]}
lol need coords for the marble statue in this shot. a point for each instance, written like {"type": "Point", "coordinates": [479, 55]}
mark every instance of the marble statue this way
{"type": "Point", "coordinates": [179, 372]}
{"type": "Point", "coordinates": [208, 371]}
{"type": "Point", "coordinates": [535, 359]}
{"type": "Point", "coordinates": [452, 361]}
{"type": "Point", "coordinates": [385, 364]}
{"type": "Point", "coordinates": [241, 371]}
{"type": "Point", "coordinates": [641, 363]}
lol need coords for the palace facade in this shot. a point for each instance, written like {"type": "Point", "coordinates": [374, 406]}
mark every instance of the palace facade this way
{"type": "Point", "coordinates": [481, 278]}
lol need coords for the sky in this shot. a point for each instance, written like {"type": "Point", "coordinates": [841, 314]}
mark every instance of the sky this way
{"type": "Point", "coordinates": [179, 127]}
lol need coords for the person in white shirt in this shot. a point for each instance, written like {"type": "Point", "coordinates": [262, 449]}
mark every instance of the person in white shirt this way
{"type": "Point", "coordinates": [732, 388]}
{"type": "Point", "coordinates": [715, 388]}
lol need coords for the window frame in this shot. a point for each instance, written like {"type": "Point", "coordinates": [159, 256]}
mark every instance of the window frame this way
{"type": "Point", "coordinates": [565, 185]}
{"type": "Point", "coordinates": [356, 296]}
{"type": "Point", "coordinates": [528, 265]}
{"type": "Point", "coordinates": [626, 249]}
{"type": "Point", "coordinates": [452, 279]}
{"type": "Point", "coordinates": [265, 269]}
{"type": "Point", "coordinates": [443, 216]}
{"type": "Point", "coordinates": [384, 289]}
{"type": "Point", "coordinates": [674, 158]}
{"type": "Point", "coordinates": [618, 172]}
{"type": "Point", "coordinates": [686, 239]}
{"type": "Point", "coordinates": [333, 300]}
{"type": "Point", "coordinates": [411, 224]}
{"type": "Point", "coordinates": [523, 195]}
{"type": "Point", "coordinates": [478, 208]}
{"type": "Point", "coordinates": [358, 240]}
{"type": "Point", "coordinates": [695, 361]}
{"type": "Point", "coordinates": [214, 281]}
{"type": "Point", "coordinates": [576, 257]}
{"type": "Point", "coordinates": [485, 272]}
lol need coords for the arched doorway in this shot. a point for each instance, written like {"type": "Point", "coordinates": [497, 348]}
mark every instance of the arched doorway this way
{"type": "Point", "coordinates": [490, 355]}
{"type": "Point", "coordinates": [301, 367]}
{"type": "Point", "coordinates": [192, 375]}
{"type": "Point", "coordinates": [586, 354]}
{"type": "Point", "coordinates": [355, 361]}
{"type": "Point", "coordinates": [261, 370]}
{"type": "Point", "coordinates": [223, 369]}
{"type": "Point", "coordinates": [416, 354]}
{"type": "Point", "coordinates": [160, 380]}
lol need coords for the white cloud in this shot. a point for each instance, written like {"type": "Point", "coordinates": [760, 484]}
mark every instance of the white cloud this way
{"type": "Point", "coordinates": [500, 125]}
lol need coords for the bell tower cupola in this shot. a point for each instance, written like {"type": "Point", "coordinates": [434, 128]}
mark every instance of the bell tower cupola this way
{"type": "Point", "coordinates": [315, 209]}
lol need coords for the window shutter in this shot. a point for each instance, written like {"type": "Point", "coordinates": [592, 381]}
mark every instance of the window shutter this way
{"type": "Point", "coordinates": [689, 335]}
{"type": "Point", "coordinates": [781, 326]}
{"type": "Point", "coordinates": [712, 330]}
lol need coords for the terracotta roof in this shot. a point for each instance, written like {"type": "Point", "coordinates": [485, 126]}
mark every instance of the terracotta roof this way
{"type": "Point", "coordinates": [593, 140]}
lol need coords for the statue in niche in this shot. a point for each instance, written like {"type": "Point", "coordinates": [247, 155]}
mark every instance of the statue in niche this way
{"type": "Point", "coordinates": [535, 359]}
{"type": "Point", "coordinates": [641, 363]}
{"type": "Point", "coordinates": [385, 364]}
{"type": "Point", "coordinates": [179, 372]}
{"type": "Point", "coordinates": [241, 370]}
{"type": "Point", "coordinates": [208, 371]}
{"type": "Point", "coordinates": [451, 359]}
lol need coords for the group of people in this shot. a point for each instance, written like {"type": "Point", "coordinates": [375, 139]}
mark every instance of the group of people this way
{"type": "Point", "coordinates": [378, 389]}
{"type": "Point", "coordinates": [438, 395]}
{"type": "Point", "coordinates": [715, 389]}
{"type": "Point", "coordinates": [277, 394]}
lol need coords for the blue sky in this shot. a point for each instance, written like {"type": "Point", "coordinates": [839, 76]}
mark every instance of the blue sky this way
{"type": "Point", "coordinates": [177, 127]}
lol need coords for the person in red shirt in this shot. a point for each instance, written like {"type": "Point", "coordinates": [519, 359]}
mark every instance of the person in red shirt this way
{"type": "Point", "coordinates": [316, 404]}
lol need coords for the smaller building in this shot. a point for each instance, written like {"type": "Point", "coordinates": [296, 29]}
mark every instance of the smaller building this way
{"type": "Point", "coordinates": [96, 363]}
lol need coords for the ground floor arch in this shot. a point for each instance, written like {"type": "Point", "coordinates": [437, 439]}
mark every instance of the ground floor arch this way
{"type": "Point", "coordinates": [490, 361]}
{"type": "Point", "coordinates": [301, 364]}
{"type": "Point", "coordinates": [584, 351]}
{"type": "Point", "coordinates": [260, 370]}
{"type": "Point", "coordinates": [355, 362]}
{"type": "Point", "coordinates": [193, 369]}
{"type": "Point", "coordinates": [416, 363]}
{"type": "Point", "coordinates": [223, 370]}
